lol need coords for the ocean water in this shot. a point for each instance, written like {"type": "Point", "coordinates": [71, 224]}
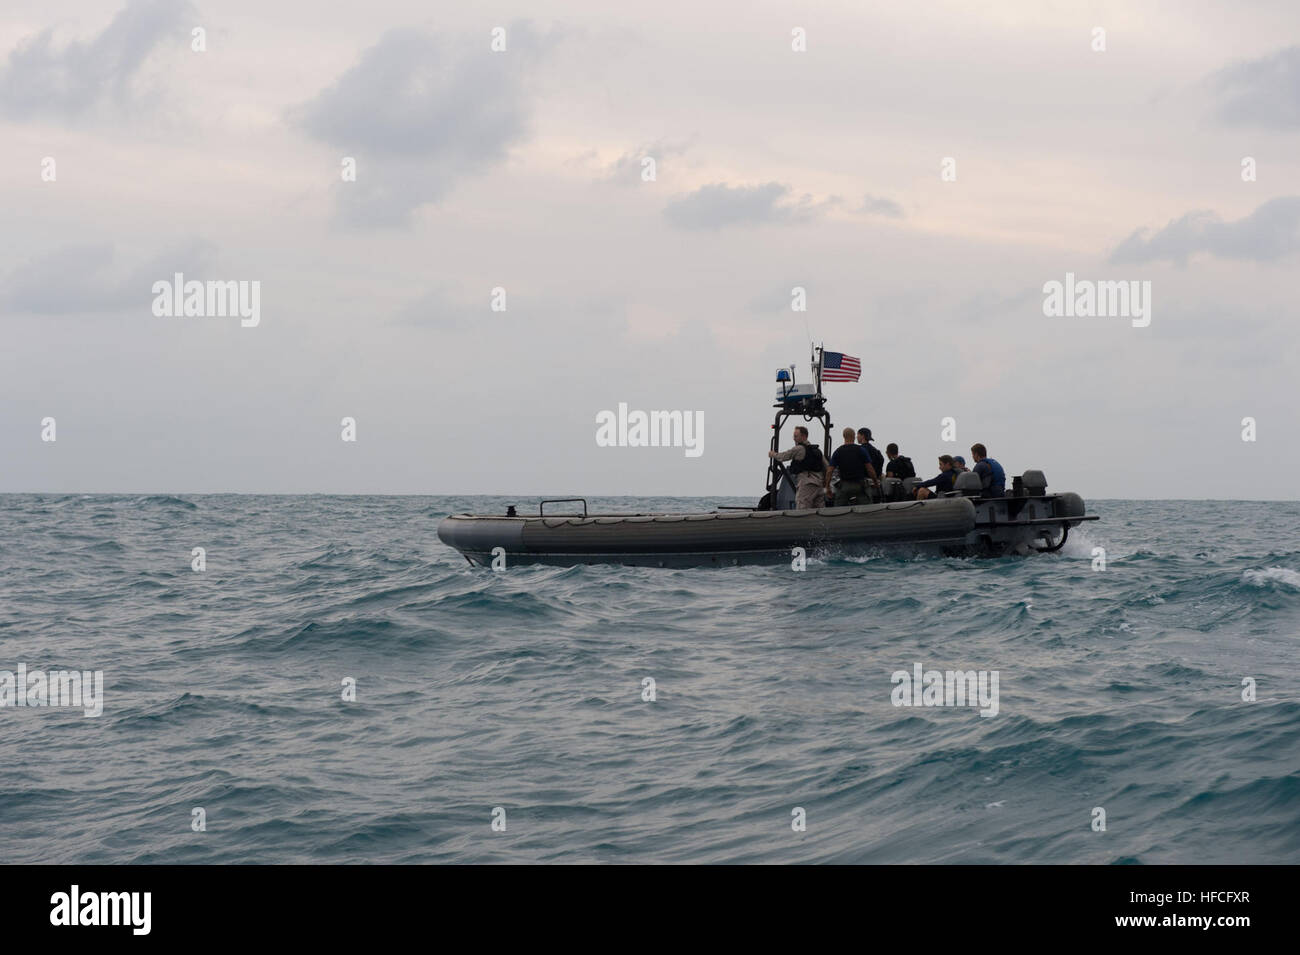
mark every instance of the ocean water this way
{"type": "Point", "coordinates": [1119, 689]}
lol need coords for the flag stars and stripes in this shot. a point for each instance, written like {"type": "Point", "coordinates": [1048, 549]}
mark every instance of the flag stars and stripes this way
{"type": "Point", "coordinates": [837, 366]}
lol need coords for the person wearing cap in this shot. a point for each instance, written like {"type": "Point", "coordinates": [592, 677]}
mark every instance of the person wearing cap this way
{"type": "Point", "coordinates": [872, 454]}
{"type": "Point", "coordinates": [875, 461]}
{"type": "Point", "coordinates": [958, 465]}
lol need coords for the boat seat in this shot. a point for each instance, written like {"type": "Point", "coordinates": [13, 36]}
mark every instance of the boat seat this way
{"type": "Point", "coordinates": [969, 484]}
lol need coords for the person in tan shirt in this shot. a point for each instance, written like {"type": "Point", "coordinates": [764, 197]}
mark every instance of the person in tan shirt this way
{"type": "Point", "coordinates": [808, 465]}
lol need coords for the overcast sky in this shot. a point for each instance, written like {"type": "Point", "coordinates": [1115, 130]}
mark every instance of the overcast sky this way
{"type": "Point", "coordinates": [522, 169]}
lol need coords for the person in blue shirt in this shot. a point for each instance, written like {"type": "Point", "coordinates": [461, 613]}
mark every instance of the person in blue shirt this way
{"type": "Point", "coordinates": [993, 479]}
{"type": "Point", "coordinates": [941, 482]}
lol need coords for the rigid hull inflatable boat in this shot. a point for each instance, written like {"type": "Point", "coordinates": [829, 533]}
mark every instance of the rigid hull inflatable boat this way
{"type": "Point", "coordinates": [962, 522]}
{"type": "Point", "coordinates": [958, 525]}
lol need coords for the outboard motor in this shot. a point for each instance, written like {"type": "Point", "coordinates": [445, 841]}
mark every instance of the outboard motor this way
{"type": "Point", "coordinates": [893, 489]}
{"type": "Point", "coordinates": [968, 484]}
{"type": "Point", "coordinates": [1035, 484]}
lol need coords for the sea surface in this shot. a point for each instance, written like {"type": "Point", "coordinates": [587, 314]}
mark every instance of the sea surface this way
{"type": "Point", "coordinates": [519, 695]}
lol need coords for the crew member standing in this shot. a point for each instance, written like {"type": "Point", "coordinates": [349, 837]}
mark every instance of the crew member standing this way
{"type": "Point", "coordinates": [875, 460]}
{"type": "Point", "coordinates": [852, 465]}
{"type": "Point", "coordinates": [808, 465]}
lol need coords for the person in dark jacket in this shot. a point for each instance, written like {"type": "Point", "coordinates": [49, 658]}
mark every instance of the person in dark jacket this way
{"type": "Point", "coordinates": [852, 466]}
{"type": "Point", "coordinates": [993, 479]}
{"type": "Point", "coordinates": [899, 466]}
{"type": "Point", "coordinates": [941, 482]}
{"type": "Point", "coordinates": [872, 453]}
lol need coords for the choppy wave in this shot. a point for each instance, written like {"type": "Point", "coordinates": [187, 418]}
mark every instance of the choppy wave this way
{"type": "Point", "coordinates": [1273, 577]}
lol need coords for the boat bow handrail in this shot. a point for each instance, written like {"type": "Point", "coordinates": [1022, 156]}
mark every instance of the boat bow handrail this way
{"type": "Point", "coordinates": [541, 508]}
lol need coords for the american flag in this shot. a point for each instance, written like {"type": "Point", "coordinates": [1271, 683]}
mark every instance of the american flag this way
{"type": "Point", "coordinates": [837, 366]}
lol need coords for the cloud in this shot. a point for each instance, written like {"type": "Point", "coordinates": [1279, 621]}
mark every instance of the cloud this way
{"type": "Point", "coordinates": [84, 279]}
{"type": "Point", "coordinates": [988, 305]}
{"type": "Point", "coordinates": [80, 77]}
{"type": "Point", "coordinates": [1263, 92]}
{"type": "Point", "coordinates": [1270, 232]}
{"type": "Point", "coordinates": [871, 205]}
{"type": "Point", "coordinates": [778, 298]}
{"type": "Point", "coordinates": [441, 308]}
{"type": "Point", "coordinates": [419, 113]}
{"type": "Point", "coordinates": [718, 205]}
{"type": "Point", "coordinates": [627, 169]}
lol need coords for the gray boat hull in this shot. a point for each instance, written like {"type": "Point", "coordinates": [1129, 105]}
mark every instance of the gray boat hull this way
{"type": "Point", "coordinates": [950, 525]}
